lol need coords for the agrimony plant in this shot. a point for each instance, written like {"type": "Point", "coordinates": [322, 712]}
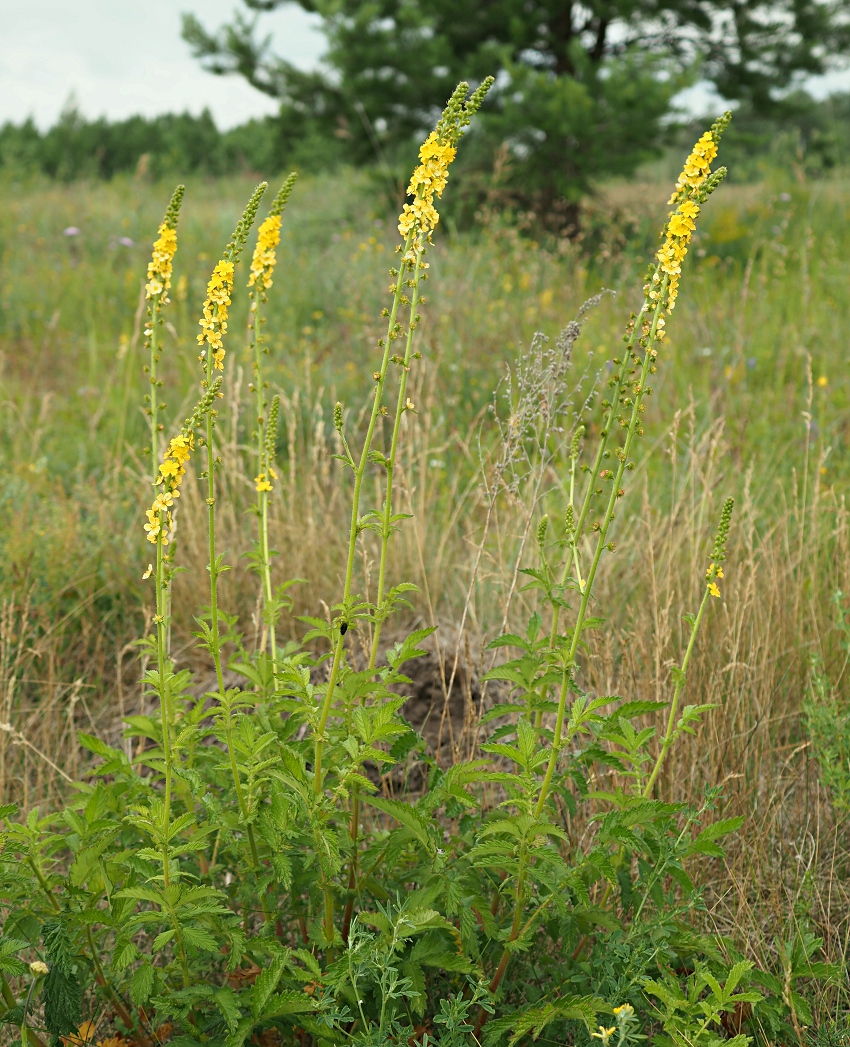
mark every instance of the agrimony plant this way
{"type": "Point", "coordinates": [265, 866]}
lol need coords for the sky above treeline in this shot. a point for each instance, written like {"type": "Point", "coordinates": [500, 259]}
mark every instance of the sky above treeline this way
{"type": "Point", "coordinates": [120, 57]}
{"type": "Point", "coordinates": [116, 58]}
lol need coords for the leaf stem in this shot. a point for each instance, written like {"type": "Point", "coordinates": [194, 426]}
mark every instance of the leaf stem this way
{"type": "Point", "coordinates": [386, 523]}
{"type": "Point", "coordinates": [354, 527]}
{"type": "Point", "coordinates": [680, 683]}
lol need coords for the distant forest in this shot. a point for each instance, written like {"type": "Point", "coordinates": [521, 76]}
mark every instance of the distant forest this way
{"type": "Point", "coordinates": [813, 134]}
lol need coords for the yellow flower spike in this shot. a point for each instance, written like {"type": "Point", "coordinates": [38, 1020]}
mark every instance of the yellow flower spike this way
{"type": "Point", "coordinates": [171, 472]}
{"type": "Point", "coordinates": [213, 323]}
{"type": "Point", "coordinates": [435, 156]}
{"type": "Point", "coordinates": [695, 183]}
{"type": "Point", "coordinates": [160, 265]}
{"type": "Point", "coordinates": [712, 588]}
{"type": "Point", "coordinates": [265, 258]}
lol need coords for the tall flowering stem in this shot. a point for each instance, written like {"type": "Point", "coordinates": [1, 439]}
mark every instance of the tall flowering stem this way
{"type": "Point", "coordinates": [159, 528]}
{"type": "Point", "coordinates": [156, 292]}
{"type": "Point", "coordinates": [695, 185]}
{"type": "Point", "coordinates": [623, 414]}
{"type": "Point", "coordinates": [416, 224]}
{"type": "Point", "coordinates": [213, 325]}
{"type": "Point", "coordinates": [419, 217]}
{"type": "Point", "coordinates": [262, 271]}
{"type": "Point", "coordinates": [713, 573]}
{"type": "Point", "coordinates": [264, 481]}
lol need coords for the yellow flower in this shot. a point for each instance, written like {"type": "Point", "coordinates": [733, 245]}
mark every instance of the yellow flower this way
{"type": "Point", "coordinates": [823, 381]}
{"type": "Point", "coordinates": [625, 1009]}
{"type": "Point", "coordinates": [712, 588]}
{"type": "Point", "coordinates": [264, 260]}
{"type": "Point", "coordinates": [171, 473]}
{"type": "Point", "coordinates": [427, 181]}
{"type": "Point", "coordinates": [681, 224]}
{"type": "Point", "coordinates": [213, 323]}
{"type": "Point", "coordinates": [159, 267]}
{"type": "Point", "coordinates": [263, 483]}
{"type": "Point", "coordinates": [714, 570]}
{"type": "Point", "coordinates": [39, 968]}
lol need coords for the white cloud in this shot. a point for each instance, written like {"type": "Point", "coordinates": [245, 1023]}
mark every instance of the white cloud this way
{"type": "Point", "coordinates": [119, 57]}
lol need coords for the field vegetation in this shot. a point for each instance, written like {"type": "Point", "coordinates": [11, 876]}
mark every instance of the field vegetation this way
{"type": "Point", "coordinates": [518, 342]}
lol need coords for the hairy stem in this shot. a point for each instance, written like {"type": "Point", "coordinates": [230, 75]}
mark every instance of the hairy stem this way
{"type": "Point", "coordinates": [605, 436]}
{"type": "Point", "coordinates": [354, 527]}
{"type": "Point", "coordinates": [680, 683]}
{"type": "Point", "coordinates": [215, 632]}
{"type": "Point", "coordinates": [386, 523]}
{"type": "Point", "coordinates": [354, 531]}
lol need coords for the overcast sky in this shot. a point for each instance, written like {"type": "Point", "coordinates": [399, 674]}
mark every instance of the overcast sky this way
{"type": "Point", "coordinates": [119, 57]}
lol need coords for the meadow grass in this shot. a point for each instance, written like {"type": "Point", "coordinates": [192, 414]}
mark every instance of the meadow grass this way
{"type": "Point", "coordinates": [751, 403]}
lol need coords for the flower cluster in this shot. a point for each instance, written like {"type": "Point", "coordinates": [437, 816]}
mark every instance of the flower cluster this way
{"type": "Point", "coordinates": [437, 152]}
{"type": "Point", "coordinates": [693, 185]}
{"type": "Point", "coordinates": [264, 480]}
{"type": "Point", "coordinates": [214, 321]}
{"type": "Point", "coordinates": [171, 473]}
{"type": "Point", "coordinates": [427, 181]}
{"type": "Point", "coordinates": [173, 468]}
{"type": "Point", "coordinates": [714, 571]}
{"type": "Point", "coordinates": [698, 165]}
{"type": "Point", "coordinates": [264, 260]}
{"type": "Point", "coordinates": [159, 267]}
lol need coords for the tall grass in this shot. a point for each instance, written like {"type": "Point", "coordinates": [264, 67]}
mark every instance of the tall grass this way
{"type": "Point", "coordinates": [751, 403]}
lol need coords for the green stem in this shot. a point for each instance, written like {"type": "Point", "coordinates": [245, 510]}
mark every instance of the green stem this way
{"type": "Point", "coordinates": [605, 436]}
{"type": "Point", "coordinates": [164, 698]}
{"type": "Point", "coordinates": [42, 882]}
{"type": "Point", "coordinates": [569, 660]}
{"type": "Point", "coordinates": [680, 683]}
{"type": "Point", "coordinates": [181, 946]}
{"type": "Point", "coordinates": [213, 565]}
{"type": "Point", "coordinates": [267, 577]}
{"type": "Point", "coordinates": [6, 990]}
{"type": "Point", "coordinates": [556, 742]}
{"type": "Point", "coordinates": [386, 523]}
{"type": "Point", "coordinates": [117, 1002]}
{"type": "Point", "coordinates": [154, 401]}
{"type": "Point", "coordinates": [215, 632]}
{"type": "Point", "coordinates": [354, 529]}
{"type": "Point", "coordinates": [354, 832]}
{"type": "Point", "coordinates": [603, 529]}
{"type": "Point", "coordinates": [268, 632]}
